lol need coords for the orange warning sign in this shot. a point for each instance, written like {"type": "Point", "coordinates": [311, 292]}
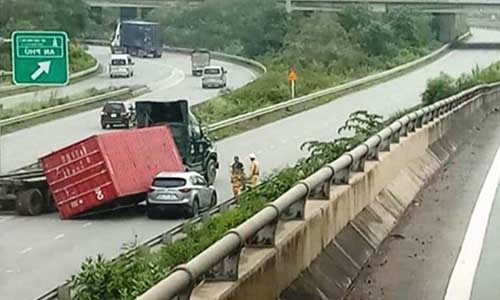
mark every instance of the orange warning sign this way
{"type": "Point", "coordinates": [292, 75]}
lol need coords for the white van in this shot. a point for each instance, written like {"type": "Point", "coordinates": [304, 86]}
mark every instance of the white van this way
{"type": "Point", "coordinates": [214, 76]}
{"type": "Point", "coordinates": [121, 65]}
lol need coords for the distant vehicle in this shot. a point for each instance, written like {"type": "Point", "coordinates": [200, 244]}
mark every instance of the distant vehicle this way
{"type": "Point", "coordinates": [197, 151]}
{"type": "Point", "coordinates": [214, 76]}
{"type": "Point", "coordinates": [137, 38]}
{"type": "Point", "coordinates": [200, 58]}
{"type": "Point", "coordinates": [185, 191]}
{"type": "Point", "coordinates": [121, 65]}
{"type": "Point", "coordinates": [117, 113]}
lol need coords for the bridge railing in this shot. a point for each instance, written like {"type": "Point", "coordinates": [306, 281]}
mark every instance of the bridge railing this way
{"type": "Point", "coordinates": [220, 262]}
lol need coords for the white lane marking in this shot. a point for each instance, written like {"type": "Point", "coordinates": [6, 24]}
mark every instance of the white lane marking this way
{"type": "Point", "coordinates": [24, 251]}
{"type": "Point", "coordinates": [87, 224]}
{"type": "Point", "coordinates": [9, 271]}
{"type": "Point", "coordinates": [58, 237]}
{"type": "Point", "coordinates": [462, 277]}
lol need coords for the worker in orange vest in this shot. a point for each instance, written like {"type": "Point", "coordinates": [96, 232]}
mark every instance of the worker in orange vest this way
{"type": "Point", "coordinates": [237, 176]}
{"type": "Point", "coordinates": [253, 176]}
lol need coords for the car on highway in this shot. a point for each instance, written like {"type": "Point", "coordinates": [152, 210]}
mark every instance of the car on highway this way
{"type": "Point", "coordinates": [185, 192]}
{"type": "Point", "coordinates": [117, 113]}
{"type": "Point", "coordinates": [121, 65]}
{"type": "Point", "coordinates": [214, 76]}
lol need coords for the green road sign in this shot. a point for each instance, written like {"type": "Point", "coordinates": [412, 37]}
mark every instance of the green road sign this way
{"type": "Point", "coordinates": [40, 58]}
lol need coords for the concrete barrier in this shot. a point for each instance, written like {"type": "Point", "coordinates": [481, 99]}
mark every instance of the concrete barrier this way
{"type": "Point", "coordinates": [340, 233]}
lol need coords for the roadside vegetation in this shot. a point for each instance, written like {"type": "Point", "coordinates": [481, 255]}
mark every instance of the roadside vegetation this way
{"type": "Point", "coordinates": [444, 85]}
{"type": "Point", "coordinates": [326, 50]}
{"type": "Point", "coordinates": [127, 278]}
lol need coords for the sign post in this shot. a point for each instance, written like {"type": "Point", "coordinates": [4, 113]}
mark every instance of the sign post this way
{"type": "Point", "coordinates": [292, 77]}
{"type": "Point", "coordinates": [40, 58]}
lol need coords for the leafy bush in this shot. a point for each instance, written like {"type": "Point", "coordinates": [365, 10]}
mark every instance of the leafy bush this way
{"type": "Point", "coordinates": [439, 88]}
{"type": "Point", "coordinates": [125, 279]}
{"type": "Point", "coordinates": [444, 85]}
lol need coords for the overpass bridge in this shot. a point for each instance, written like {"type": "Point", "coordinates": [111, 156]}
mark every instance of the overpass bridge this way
{"type": "Point", "coordinates": [426, 6]}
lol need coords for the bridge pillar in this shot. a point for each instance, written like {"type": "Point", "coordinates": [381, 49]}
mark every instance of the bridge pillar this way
{"type": "Point", "coordinates": [128, 13]}
{"type": "Point", "coordinates": [451, 26]}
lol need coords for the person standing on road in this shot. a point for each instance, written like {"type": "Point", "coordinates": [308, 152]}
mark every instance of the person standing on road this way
{"type": "Point", "coordinates": [237, 174]}
{"type": "Point", "coordinates": [253, 176]}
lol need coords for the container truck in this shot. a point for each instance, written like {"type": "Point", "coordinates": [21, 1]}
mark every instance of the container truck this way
{"type": "Point", "coordinates": [137, 38]}
{"type": "Point", "coordinates": [100, 172]}
{"type": "Point", "coordinates": [200, 58]}
{"type": "Point", "coordinates": [197, 151]}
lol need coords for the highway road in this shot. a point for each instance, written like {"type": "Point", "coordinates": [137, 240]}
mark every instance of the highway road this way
{"type": "Point", "coordinates": [32, 248]}
{"type": "Point", "coordinates": [451, 240]}
{"type": "Point", "coordinates": [159, 74]}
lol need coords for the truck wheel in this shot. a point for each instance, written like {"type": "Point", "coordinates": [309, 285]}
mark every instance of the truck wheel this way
{"type": "Point", "coordinates": [211, 171]}
{"type": "Point", "coordinates": [49, 201]}
{"type": "Point", "coordinates": [194, 210]}
{"type": "Point", "coordinates": [30, 202]}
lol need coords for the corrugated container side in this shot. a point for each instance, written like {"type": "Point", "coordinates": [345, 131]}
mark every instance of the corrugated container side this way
{"type": "Point", "coordinates": [134, 161]}
{"type": "Point", "coordinates": [78, 177]}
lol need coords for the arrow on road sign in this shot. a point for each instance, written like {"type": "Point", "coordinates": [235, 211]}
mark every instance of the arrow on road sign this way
{"type": "Point", "coordinates": [43, 67]}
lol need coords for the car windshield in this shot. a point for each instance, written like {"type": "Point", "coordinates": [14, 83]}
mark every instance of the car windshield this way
{"type": "Point", "coordinates": [118, 62]}
{"type": "Point", "coordinates": [212, 71]}
{"type": "Point", "coordinates": [114, 107]}
{"type": "Point", "coordinates": [169, 182]}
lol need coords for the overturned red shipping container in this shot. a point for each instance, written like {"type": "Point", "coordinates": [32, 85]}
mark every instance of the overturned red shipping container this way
{"type": "Point", "coordinates": [108, 168]}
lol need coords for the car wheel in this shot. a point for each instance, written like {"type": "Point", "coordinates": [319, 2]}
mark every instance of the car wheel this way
{"type": "Point", "coordinates": [211, 171]}
{"type": "Point", "coordinates": [204, 86]}
{"type": "Point", "coordinates": [127, 125]}
{"type": "Point", "coordinates": [194, 209]}
{"type": "Point", "coordinates": [213, 200]}
{"type": "Point", "coordinates": [103, 126]}
{"type": "Point", "coordinates": [151, 211]}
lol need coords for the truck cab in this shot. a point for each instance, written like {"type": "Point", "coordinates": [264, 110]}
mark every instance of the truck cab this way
{"type": "Point", "coordinates": [200, 58]}
{"type": "Point", "coordinates": [197, 151]}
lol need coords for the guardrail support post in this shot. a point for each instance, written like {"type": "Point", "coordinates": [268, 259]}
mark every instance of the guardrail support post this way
{"type": "Point", "coordinates": [341, 176]}
{"type": "Point", "coordinates": [296, 211]}
{"type": "Point", "coordinates": [226, 269]}
{"type": "Point", "coordinates": [322, 191]}
{"type": "Point", "coordinates": [384, 145]}
{"type": "Point", "coordinates": [166, 238]}
{"type": "Point", "coordinates": [359, 164]}
{"type": "Point", "coordinates": [395, 137]}
{"type": "Point", "coordinates": [63, 292]}
{"type": "Point", "coordinates": [265, 237]}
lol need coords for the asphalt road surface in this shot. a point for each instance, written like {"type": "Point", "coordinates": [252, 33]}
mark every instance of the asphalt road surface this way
{"type": "Point", "coordinates": [42, 251]}
{"type": "Point", "coordinates": [450, 240]}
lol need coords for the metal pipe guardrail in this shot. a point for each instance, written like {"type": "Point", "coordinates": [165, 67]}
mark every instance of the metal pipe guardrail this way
{"type": "Point", "coordinates": [220, 260]}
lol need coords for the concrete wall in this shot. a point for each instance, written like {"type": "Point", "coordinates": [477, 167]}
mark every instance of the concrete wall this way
{"type": "Point", "coordinates": [451, 26]}
{"type": "Point", "coordinates": [353, 222]}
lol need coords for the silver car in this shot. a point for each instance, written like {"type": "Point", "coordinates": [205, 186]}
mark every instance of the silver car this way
{"type": "Point", "coordinates": [185, 191]}
{"type": "Point", "coordinates": [214, 76]}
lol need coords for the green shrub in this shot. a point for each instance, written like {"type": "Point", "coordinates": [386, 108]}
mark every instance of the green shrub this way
{"type": "Point", "coordinates": [439, 88]}
{"type": "Point", "coordinates": [444, 85]}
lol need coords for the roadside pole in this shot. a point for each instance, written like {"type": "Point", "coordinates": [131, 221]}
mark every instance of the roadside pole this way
{"type": "Point", "coordinates": [292, 77]}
